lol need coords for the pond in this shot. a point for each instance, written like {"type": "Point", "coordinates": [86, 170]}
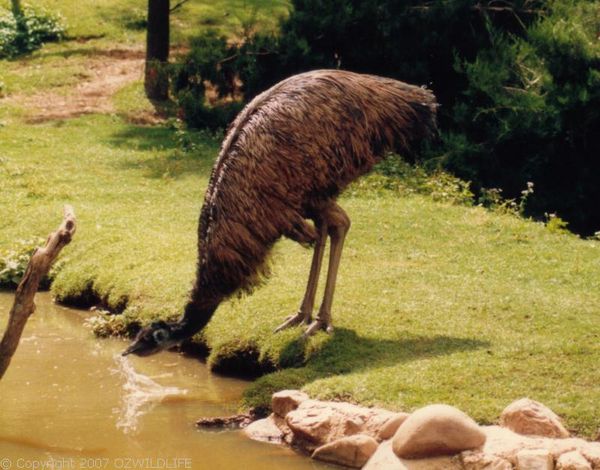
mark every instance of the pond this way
{"type": "Point", "coordinates": [69, 400]}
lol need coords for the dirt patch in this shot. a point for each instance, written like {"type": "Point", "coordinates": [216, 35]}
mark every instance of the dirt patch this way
{"type": "Point", "coordinates": [106, 72]}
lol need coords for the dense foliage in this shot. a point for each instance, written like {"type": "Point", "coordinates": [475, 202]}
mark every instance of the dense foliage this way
{"type": "Point", "coordinates": [13, 263]}
{"type": "Point", "coordinates": [531, 112]}
{"type": "Point", "coordinates": [518, 83]}
{"type": "Point", "coordinates": [27, 32]}
{"type": "Point", "coordinates": [202, 66]}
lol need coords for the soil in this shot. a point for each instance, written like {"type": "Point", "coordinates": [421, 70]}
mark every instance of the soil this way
{"type": "Point", "coordinates": [106, 72]}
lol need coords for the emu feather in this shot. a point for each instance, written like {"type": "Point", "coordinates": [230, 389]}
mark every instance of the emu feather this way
{"type": "Point", "coordinates": [285, 159]}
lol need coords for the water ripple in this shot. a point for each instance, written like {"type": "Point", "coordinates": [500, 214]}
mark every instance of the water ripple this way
{"type": "Point", "coordinates": [140, 394]}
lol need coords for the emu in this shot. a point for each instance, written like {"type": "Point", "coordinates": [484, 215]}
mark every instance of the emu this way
{"type": "Point", "coordinates": [285, 159]}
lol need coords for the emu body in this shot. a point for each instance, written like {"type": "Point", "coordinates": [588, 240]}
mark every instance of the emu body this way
{"type": "Point", "coordinates": [285, 159]}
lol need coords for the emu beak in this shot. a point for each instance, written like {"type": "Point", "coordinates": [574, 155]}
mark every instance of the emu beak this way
{"type": "Point", "coordinates": [132, 349]}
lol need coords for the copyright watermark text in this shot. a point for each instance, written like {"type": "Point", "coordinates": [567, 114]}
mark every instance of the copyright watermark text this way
{"type": "Point", "coordinates": [120, 463]}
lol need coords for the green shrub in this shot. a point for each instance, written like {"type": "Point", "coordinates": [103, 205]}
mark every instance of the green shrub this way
{"type": "Point", "coordinates": [556, 224]}
{"type": "Point", "coordinates": [519, 84]}
{"type": "Point", "coordinates": [531, 111]}
{"type": "Point", "coordinates": [27, 32]}
{"type": "Point", "coordinates": [414, 40]}
{"type": "Point", "coordinates": [492, 199]}
{"type": "Point", "coordinates": [13, 263]}
{"type": "Point", "coordinates": [396, 175]}
{"type": "Point", "coordinates": [202, 66]}
{"type": "Point", "coordinates": [8, 34]}
{"type": "Point", "coordinates": [197, 114]}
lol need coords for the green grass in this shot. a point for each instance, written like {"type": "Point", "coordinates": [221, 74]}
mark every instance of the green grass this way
{"type": "Point", "coordinates": [435, 302]}
{"type": "Point", "coordinates": [117, 24]}
{"type": "Point", "coordinates": [232, 18]}
{"type": "Point", "coordinates": [124, 20]}
{"type": "Point", "coordinates": [131, 99]}
{"type": "Point", "coordinates": [56, 66]}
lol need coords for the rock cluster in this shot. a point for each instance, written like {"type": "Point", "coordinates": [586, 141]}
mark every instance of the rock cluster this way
{"type": "Point", "coordinates": [436, 437]}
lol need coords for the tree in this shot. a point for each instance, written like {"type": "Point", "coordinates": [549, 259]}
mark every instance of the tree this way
{"type": "Point", "coordinates": [156, 80]}
{"type": "Point", "coordinates": [17, 10]}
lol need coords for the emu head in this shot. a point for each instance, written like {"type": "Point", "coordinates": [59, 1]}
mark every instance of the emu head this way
{"type": "Point", "coordinates": [152, 339]}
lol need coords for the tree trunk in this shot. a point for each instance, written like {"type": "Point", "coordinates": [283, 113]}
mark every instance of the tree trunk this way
{"type": "Point", "coordinates": [156, 79]}
{"type": "Point", "coordinates": [17, 10]}
{"type": "Point", "coordinates": [38, 267]}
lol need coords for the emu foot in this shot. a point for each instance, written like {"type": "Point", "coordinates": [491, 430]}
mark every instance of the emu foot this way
{"type": "Point", "coordinates": [292, 320]}
{"type": "Point", "coordinates": [316, 326]}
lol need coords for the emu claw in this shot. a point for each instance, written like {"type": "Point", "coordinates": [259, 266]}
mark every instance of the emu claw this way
{"type": "Point", "coordinates": [290, 321]}
{"type": "Point", "coordinates": [316, 326]}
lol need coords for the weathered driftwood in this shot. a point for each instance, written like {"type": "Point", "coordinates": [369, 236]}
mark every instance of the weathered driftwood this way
{"type": "Point", "coordinates": [38, 267]}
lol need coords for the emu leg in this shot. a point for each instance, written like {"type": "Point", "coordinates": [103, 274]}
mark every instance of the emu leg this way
{"type": "Point", "coordinates": [338, 224]}
{"type": "Point", "coordinates": [305, 312]}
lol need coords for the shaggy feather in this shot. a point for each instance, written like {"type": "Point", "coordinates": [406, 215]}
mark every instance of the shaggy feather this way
{"type": "Point", "coordinates": [292, 149]}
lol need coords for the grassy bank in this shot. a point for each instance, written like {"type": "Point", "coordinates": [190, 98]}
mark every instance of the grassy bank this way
{"type": "Point", "coordinates": [435, 302]}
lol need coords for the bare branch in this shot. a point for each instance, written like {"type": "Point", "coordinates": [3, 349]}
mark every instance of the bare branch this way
{"type": "Point", "coordinates": [38, 267]}
{"type": "Point", "coordinates": [500, 6]}
{"type": "Point", "coordinates": [237, 54]}
{"type": "Point", "coordinates": [178, 5]}
{"type": "Point", "coordinates": [511, 9]}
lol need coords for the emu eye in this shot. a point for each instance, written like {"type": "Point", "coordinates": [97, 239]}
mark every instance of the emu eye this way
{"type": "Point", "coordinates": [160, 336]}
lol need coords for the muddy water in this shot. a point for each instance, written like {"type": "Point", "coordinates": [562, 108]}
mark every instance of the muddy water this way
{"type": "Point", "coordinates": [70, 401]}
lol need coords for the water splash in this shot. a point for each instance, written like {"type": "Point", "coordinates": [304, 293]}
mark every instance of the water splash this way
{"type": "Point", "coordinates": [140, 395]}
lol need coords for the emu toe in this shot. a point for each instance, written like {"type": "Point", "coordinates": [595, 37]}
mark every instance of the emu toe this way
{"type": "Point", "coordinates": [292, 320]}
{"type": "Point", "coordinates": [316, 326]}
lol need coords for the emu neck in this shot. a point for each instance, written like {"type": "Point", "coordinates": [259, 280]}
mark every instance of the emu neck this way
{"type": "Point", "coordinates": [195, 317]}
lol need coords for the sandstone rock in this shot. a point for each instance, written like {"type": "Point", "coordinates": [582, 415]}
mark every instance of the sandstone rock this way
{"type": "Point", "coordinates": [436, 430]}
{"type": "Point", "coordinates": [315, 423]}
{"type": "Point", "coordinates": [352, 451]}
{"type": "Point", "coordinates": [265, 430]}
{"type": "Point", "coordinates": [506, 444]}
{"type": "Point", "coordinates": [287, 400]}
{"type": "Point", "coordinates": [591, 451]}
{"type": "Point", "coordinates": [389, 428]}
{"type": "Point", "coordinates": [478, 460]}
{"type": "Point", "coordinates": [529, 417]}
{"type": "Point", "coordinates": [385, 459]}
{"type": "Point", "coordinates": [572, 461]}
{"type": "Point", "coordinates": [538, 459]}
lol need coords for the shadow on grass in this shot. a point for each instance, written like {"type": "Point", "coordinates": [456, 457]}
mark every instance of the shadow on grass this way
{"type": "Point", "coordinates": [171, 153]}
{"type": "Point", "coordinates": [346, 352]}
{"type": "Point", "coordinates": [145, 138]}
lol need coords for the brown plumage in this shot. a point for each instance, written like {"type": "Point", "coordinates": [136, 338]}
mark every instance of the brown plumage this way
{"type": "Point", "coordinates": [285, 159]}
